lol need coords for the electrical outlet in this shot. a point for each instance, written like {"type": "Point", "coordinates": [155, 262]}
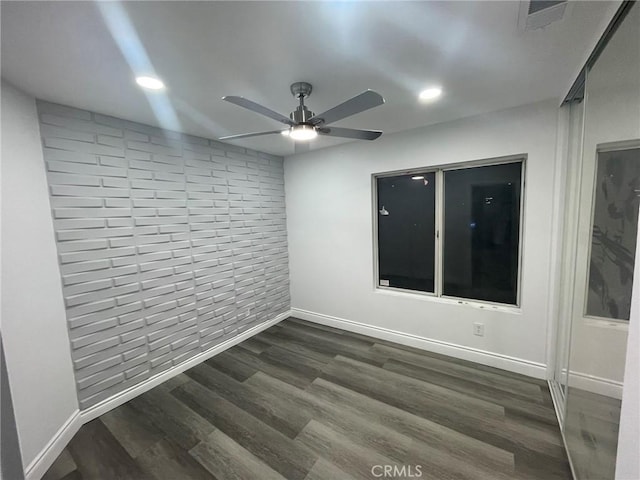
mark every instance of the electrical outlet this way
{"type": "Point", "coordinates": [478, 329]}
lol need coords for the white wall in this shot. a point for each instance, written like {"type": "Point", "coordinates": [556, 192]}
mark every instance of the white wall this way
{"type": "Point", "coordinates": [329, 215]}
{"type": "Point", "coordinates": [33, 316]}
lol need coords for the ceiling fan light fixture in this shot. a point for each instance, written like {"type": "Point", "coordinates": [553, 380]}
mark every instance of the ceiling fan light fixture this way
{"type": "Point", "coordinates": [303, 132]}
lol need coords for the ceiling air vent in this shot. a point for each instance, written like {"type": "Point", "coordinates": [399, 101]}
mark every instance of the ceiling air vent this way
{"type": "Point", "coordinates": [540, 13]}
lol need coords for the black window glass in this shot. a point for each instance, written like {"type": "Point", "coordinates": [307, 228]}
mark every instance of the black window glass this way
{"type": "Point", "coordinates": [406, 231]}
{"type": "Point", "coordinates": [481, 232]}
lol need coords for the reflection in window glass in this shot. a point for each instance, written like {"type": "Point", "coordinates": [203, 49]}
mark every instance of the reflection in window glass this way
{"type": "Point", "coordinates": [482, 232]}
{"type": "Point", "coordinates": [406, 231]}
{"type": "Point", "coordinates": [613, 241]}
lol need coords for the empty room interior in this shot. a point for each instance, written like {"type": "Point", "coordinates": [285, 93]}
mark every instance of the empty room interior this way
{"type": "Point", "coordinates": [319, 240]}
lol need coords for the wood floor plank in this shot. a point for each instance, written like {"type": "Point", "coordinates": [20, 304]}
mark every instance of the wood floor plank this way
{"type": "Point", "coordinates": [365, 431]}
{"type": "Point", "coordinates": [289, 458]}
{"type": "Point", "coordinates": [312, 325]}
{"type": "Point", "coordinates": [180, 423]}
{"type": "Point", "coordinates": [422, 394]}
{"type": "Point", "coordinates": [517, 403]}
{"type": "Point", "coordinates": [284, 359]}
{"type": "Point", "coordinates": [355, 344]}
{"type": "Point", "coordinates": [135, 432]}
{"type": "Point", "coordinates": [452, 410]}
{"type": "Point", "coordinates": [358, 352]}
{"type": "Point", "coordinates": [535, 465]}
{"type": "Point", "coordinates": [490, 379]}
{"type": "Point", "coordinates": [75, 475]}
{"type": "Point", "coordinates": [268, 337]}
{"type": "Point", "coordinates": [322, 395]}
{"type": "Point", "coordinates": [432, 433]}
{"type": "Point", "coordinates": [457, 361]}
{"type": "Point", "coordinates": [281, 355]}
{"type": "Point", "coordinates": [231, 366]}
{"type": "Point", "coordinates": [544, 429]}
{"type": "Point", "coordinates": [324, 470]}
{"type": "Point", "coordinates": [250, 399]}
{"type": "Point", "coordinates": [227, 460]}
{"type": "Point", "coordinates": [254, 345]}
{"type": "Point", "coordinates": [166, 460]}
{"type": "Point", "coordinates": [63, 466]}
{"type": "Point", "coordinates": [99, 455]}
{"type": "Point", "coordinates": [282, 372]}
{"type": "Point", "coordinates": [354, 459]}
{"type": "Point", "coordinates": [172, 383]}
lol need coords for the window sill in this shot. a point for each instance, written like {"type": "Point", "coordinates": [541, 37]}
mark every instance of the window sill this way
{"type": "Point", "coordinates": [607, 323]}
{"type": "Point", "coordinates": [430, 297]}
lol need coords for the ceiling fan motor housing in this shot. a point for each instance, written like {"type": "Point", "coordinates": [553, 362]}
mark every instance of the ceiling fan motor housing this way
{"type": "Point", "coordinates": [301, 114]}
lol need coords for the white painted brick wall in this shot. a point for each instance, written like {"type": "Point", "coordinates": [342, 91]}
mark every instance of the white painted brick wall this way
{"type": "Point", "coordinates": [168, 244]}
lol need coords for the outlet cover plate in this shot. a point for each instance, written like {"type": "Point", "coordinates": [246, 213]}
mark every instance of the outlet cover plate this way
{"type": "Point", "coordinates": [478, 329]}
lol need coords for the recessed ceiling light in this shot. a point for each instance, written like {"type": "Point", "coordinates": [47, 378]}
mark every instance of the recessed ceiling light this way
{"type": "Point", "coordinates": [303, 132]}
{"type": "Point", "coordinates": [417, 177]}
{"type": "Point", "coordinates": [152, 83]}
{"type": "Point", "coordinates": [430, 93]}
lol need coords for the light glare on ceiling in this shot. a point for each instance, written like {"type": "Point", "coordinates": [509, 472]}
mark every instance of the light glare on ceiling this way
{"type": "Point", "coordinates": [430, 93]}
{"type": "Point", "coordinates": [284, 133]}
{"type": "Point", "coordinates": [303, 132]}
{"type": "Point", "coordinates": [150, 83]}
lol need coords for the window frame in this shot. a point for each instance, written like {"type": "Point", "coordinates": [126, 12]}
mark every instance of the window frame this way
{"type": "Point", "coordinates": [439, 170]}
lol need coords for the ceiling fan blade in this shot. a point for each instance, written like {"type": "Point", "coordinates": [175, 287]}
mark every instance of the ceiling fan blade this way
{"type": "Point", "coordinates": [247, 135]}
{"type": "Point", "coordinates": [357, 104]}
{"type": "Point", "coordinates": [256, 107]}
{"type": "Point", "coordinates": [349, 133]}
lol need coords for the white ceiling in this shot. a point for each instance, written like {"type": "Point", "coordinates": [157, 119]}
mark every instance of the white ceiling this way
{"type": "Point", "coordinates": [66, 52]}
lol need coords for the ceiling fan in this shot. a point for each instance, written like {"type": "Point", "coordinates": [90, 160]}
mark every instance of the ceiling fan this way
{"type": "Point", "coordinates": [304, 124]}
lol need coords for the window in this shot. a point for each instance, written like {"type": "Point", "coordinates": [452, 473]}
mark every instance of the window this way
{"type": "Point", "coordinates": [452, 232]}
{"type": "Point", "coordinates": [615, 226]}
{"type": "Point", "coordinates": [407, 231]}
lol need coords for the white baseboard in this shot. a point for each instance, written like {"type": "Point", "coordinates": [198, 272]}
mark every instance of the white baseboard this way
{"type": "Point", "coordinates": [505, 362]}
{"type": "Point", "coordinates": [39, 465]}
{"type": "Point", "coordinates": [122, 397]}
{"type": "Point", "coordinates": [593, 384]}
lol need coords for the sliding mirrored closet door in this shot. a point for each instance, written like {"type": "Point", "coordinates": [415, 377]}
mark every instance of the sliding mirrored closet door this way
{"type": "Point", "coordinates": [600, 231]}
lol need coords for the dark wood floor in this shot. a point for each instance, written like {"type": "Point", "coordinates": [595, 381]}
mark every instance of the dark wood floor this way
{"type": "Point", "coordinates": [304, 401]}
